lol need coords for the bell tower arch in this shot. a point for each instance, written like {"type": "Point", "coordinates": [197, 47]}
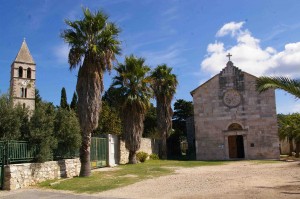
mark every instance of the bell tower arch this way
{"type": "Point", "coordinates": [22, 80]}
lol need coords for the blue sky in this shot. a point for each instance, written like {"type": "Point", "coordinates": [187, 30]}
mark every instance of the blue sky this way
{"type": "Point", "coordinates": [192, 36]}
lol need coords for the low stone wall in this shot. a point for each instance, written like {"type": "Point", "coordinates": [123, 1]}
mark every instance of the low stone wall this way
{"type": "Point", "coordinates": [17, 176]}
{"type": "Point", "coordinates": [147, 145]}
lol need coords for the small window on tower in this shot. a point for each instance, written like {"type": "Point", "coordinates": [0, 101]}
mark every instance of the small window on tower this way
{"type": "Point", "coordinates": [25, 93]}
{"type": "Point", "coordinates": [29, 73]}
{"type": "Point", "coordinates": [22, 92]}
{"type": "Point", "coordinates": [20, 71]}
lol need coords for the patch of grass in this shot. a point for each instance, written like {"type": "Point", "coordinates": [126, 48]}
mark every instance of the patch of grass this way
{"type": "Point", "coordinates": [125, 175]}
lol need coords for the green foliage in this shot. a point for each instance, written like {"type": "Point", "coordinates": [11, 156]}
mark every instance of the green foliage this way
{"type": "Point", "coordinates": [150, 123]}
{"type": "Point", "coordinates": [10, 123]}
{"type": "Point", "coordinates": [38, 97]}
{"type": "Point", "coordinates": [154, 156]}
{"type": "Point", "coordinates": [289, 129]}
{"type": "Point", "coordinates": [284, 83]}
{"type": "Point", "coordinates": [132, 86]}
{"type": "Point", "coordinates": [67, 132]}
{"type": "Point", "coordinates": [182, 110]}
{"type": "Point", "coordinates": [141, 156]}
{"type": "Point", "coordinates": [63, 99]}
{"type": "Point", "coordinates": [109, 122]}
{"type": "Point", "coordinates": [42, 130]}
{"type": "Point", "coordinates": [73, 104]}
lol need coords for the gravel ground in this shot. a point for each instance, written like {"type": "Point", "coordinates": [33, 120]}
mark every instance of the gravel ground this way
{"type": "Point", "coordinates": [242, 179]}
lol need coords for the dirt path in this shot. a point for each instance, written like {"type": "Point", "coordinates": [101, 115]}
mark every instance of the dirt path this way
{"type": "Point", "coordinates": [243, 179]}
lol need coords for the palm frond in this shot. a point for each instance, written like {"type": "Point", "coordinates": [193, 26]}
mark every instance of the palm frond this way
{"type": "Point", "coordinates": [284, 83]}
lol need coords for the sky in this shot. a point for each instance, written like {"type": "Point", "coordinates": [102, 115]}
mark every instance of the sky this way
{"type": "Point", "coordinates": [191, 36]}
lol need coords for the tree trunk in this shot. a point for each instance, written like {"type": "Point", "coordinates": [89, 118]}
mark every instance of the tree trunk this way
{"type": "Point", "coordinates": [291, 147]}
{"type": "Point", "coordinates": [132, 157]}
{"type": "Point", "coordinates": [89, 87]}
{"type": "Point", "coordinates": [85, 151]}
{"type": "Point", "coordinates": [297, 149]}
{"type": "Point", "coordinates": [133, 126]}
{"type": "Point", "coordinates": [164, 124]}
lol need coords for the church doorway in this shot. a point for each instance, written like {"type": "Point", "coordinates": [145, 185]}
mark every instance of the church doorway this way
{"type": "Point", "coordinates": [236, 146]}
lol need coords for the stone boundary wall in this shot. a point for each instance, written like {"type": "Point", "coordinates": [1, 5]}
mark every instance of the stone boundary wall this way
{"type": "Point", "coordinates": [148, 145]}
{"type": "Point", "coordinates": [17, 176]}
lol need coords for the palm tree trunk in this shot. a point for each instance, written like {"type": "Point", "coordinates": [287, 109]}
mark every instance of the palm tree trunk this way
{"type": "Point", "coordinates": [89, 87]}
{"type": "Point", "coordinates": [133, 126]}
{"type": "Point", "coordinates": [132, 157]}
{"type": "Point", "coordinates": [85, 150]}
{"type": "Point", "coordinates": [164, 124]}
{"type": "Point", "coordinates": [291, 147]}
{"type": "Point", "coordinates": [297, 149]}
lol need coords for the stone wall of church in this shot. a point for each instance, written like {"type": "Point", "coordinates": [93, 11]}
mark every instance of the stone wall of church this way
{"type": "Point", "coordinates": [256, 113]}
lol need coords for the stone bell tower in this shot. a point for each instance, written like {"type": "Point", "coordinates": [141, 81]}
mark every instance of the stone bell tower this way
{"type": "Point", "coordinates": [22, 81]}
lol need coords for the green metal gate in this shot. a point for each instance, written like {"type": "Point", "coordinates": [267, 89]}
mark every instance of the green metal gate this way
{"type": "Point", "coordinates": [98, 152]}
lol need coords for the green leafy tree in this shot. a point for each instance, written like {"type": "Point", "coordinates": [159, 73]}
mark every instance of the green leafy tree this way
{"type": "Point", "coordinates": [10, 124]}
{"type": "Point", "coordinates": [110, 122]}
{"type": "Point", "coordinates": [67, 132]}
{"type": "Point", "coordinates": [150, 123]}
{"type": "Point", "coordinates": [23, 115]}
{"type": "Point", "coordinates": [93, 45]}
{"type": "Point", "coordinates": [289, 129]}
{"type": "Point", "coordinates": [134, 91]}
{"type": "Point", "coordinates": [182, 110]}
{"type": "Point", "coordinates": [73, 104]}
{"type": "Point", "coordinates": [63, 99]}
{"type": "Point", "coordinates": [42, 130]}
{"type": "Point", "coordinates": [164, 85]}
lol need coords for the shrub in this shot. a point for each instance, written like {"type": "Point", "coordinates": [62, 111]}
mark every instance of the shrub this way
{"type": "Point", "coordinates": [142, 156]}
{"type": "Point", "coordinates": [154, 156]}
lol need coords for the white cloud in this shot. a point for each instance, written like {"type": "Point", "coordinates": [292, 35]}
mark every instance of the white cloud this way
{"type": "Point", "coordinates": [249, 56]}
{"type": "Point", "coordinates": [230, 28]}
{"type": "Point", "coordinates": [62, 52]}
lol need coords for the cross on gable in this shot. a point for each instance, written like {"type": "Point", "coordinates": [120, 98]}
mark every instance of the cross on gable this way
{"type": "Point", "coordinates": [229, 55]}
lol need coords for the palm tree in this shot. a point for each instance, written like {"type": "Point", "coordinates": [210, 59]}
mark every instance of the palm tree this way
{"type": "Point", "coordinates": [284, 83]}
{"type": "Point", "coordinates": [93, 45]}
{"type": "Point", "coordinates": [132, 86]}
{"type": "Point", "coordinates": [285, 130]}
{"type": "Point", "coordinates": [164, 85]}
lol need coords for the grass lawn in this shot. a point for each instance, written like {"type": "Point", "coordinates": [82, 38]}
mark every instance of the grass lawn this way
{"type": "Point", "coordinates": [124, 175]}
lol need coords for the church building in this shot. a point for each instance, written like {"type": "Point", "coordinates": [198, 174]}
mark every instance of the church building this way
{"type": "Point", "coordinates": [22, 81]}
{"type": "Point", "coordinates": [232, 120]}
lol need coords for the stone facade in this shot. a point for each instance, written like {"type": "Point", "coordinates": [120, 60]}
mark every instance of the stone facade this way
{"type": "Point", "coordinates": [147, 145]}
{"type": "Point", "coordinates": [18, 176]}
{"type": "Point", "coordinates": [22, 81]}
{"type": "Point", "coordinates": [232, 120]}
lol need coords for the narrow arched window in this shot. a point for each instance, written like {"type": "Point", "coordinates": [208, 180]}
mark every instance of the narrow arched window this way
{"type": "Point", "coordinates": [20, 71]}
{"type": "Point", "coordinates": [29, 73]}
{"type": "Point", "coordinates": [25, 93]}
{"type": "Point", "coordinates": [22, 92]}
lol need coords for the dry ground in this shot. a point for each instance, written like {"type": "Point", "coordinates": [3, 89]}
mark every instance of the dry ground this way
{"type": "Point", "coordinates": [242, 179]}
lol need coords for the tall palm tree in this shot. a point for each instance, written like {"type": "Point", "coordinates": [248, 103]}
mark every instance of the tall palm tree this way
{"type": "Point", "coordinates": [132, 86]}
{"type": "Point", "coordinates": [93, 45]}
{"type": "Point", "coordinates": [164, 85]}
{"type": "Point", "coordinates": [284, 83]}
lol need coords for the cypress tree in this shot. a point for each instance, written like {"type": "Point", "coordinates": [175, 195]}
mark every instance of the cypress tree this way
{"type": "Point", "coordinates": [63, 99]}
{"type": "Point", "coordinates": [73, 104]}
